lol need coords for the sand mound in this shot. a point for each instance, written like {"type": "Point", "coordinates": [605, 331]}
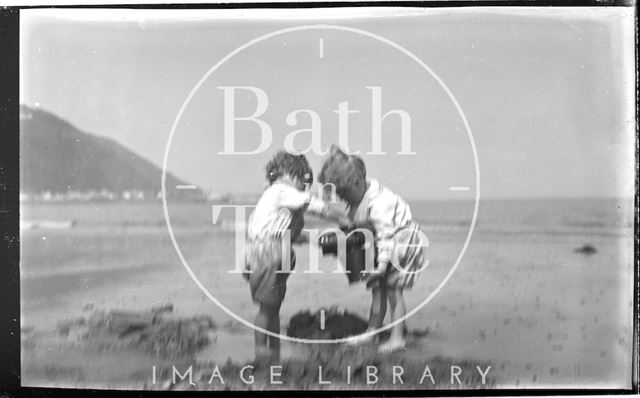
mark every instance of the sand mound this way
{"type": "Point", "coordinates": [337, 325]}
{"type": "Point", "coordinates": [151, 332]}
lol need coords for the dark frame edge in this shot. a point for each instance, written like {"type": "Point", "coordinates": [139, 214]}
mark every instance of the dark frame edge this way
{"type": "Point", "coordinates": [10, 207]}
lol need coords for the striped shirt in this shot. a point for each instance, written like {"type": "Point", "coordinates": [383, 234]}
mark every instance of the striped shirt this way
{"type": "Point", "coordinates": [281, 207]}
{"type": "Point", "coordinates": [386, 212]}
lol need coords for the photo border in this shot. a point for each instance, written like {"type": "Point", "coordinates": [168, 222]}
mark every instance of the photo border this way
{"type": "Point", "coordinates": [10, 369]}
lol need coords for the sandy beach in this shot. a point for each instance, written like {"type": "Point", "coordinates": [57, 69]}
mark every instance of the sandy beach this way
{"type": "Point", "coordinates": [522, 300]}
{"type": "Point", "coordinates": [507, 130]}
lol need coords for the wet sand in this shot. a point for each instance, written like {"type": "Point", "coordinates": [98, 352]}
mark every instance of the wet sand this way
{"type": "Point", "coordinates": [540, 314]}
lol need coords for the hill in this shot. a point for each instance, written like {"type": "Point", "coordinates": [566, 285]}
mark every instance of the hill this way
{"type": "Point", "coordinates": [57, 157]}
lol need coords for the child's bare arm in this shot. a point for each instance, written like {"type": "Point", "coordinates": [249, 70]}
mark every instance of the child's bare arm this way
{"type": "Point", "coordinates": [328, 213]}
{"type": "Point", "coordinates": [293, 199]}
{"type": "Point", "coordinates": [379, 272]}
{"type": "Point", "coordinates": [302, 238]}
{"type": "Point", "coordinates": [338, 217]}
{"type": "Point", "coordinates": [381, 216]}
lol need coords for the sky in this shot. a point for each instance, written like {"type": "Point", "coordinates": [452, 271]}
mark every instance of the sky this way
{"type": "Point", "coordinates": [547, 93]}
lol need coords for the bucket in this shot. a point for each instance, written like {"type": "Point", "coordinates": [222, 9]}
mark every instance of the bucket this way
{"type": "Point", "coordinates": [355, 253]}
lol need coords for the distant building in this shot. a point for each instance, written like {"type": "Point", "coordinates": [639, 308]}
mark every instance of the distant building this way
{"type": "Point", "coordinates": [25, 114]}
{"type": "Point", "coordinates": [137, 195]}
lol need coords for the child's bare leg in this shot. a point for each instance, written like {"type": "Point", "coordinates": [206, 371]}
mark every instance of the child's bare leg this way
{"type": "Point", "coordinates": [378, 307]}
{"type": "Point", "coordinates": [398, 310]}
{"type": "Point", "coordinates": [261, 321]}
{"type": "Point", "coordinates": [376, 314]}
{"type": "Point", "coordinates": [274, 326]}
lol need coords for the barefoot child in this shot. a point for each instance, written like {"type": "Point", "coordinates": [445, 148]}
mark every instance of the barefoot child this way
{"type": "Point", "coordinates": [278, 214]}
{"type": "Point", "coordinates": [398, 239]}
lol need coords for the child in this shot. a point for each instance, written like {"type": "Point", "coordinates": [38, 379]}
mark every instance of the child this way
{"type": "Point", "coordinates": [398, 238]}
{"type": "Point", "coordinates": [279, 212]}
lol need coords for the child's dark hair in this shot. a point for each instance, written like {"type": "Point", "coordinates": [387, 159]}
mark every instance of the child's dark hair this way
{"type": "Point", "coordinates": [285, 163]}
{"type": "Point", "coordinates": [342, 170]}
